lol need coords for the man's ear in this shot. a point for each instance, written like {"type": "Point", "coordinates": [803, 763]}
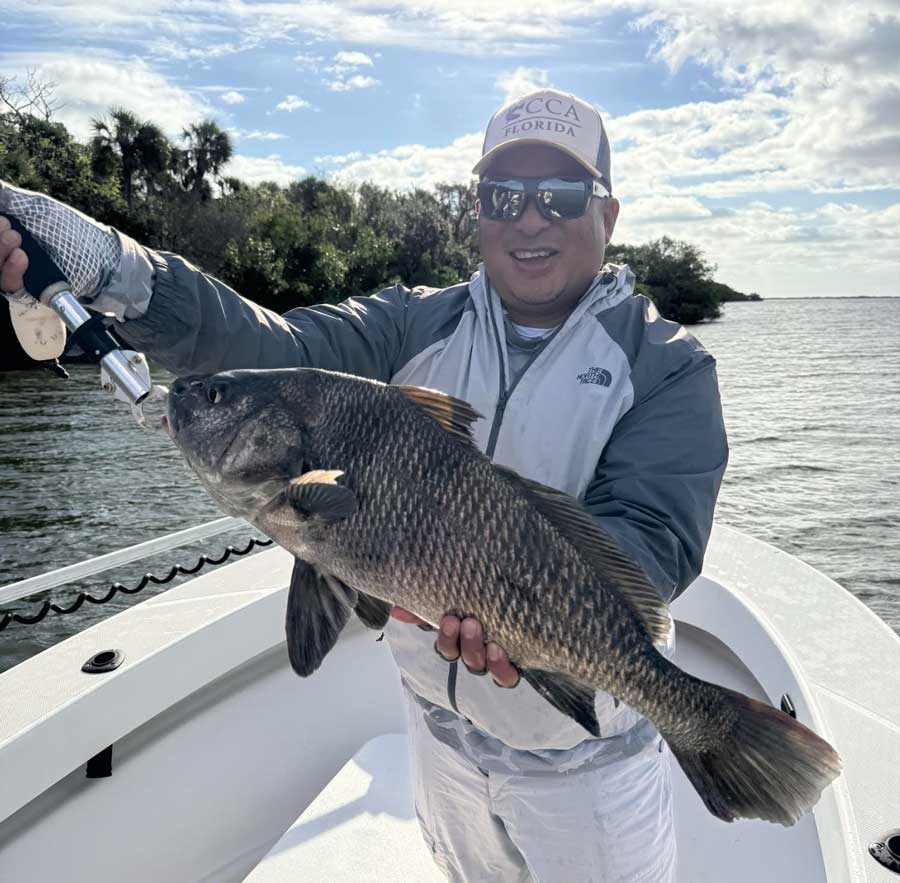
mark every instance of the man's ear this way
{"type": "Point", "coordinates": [477, 208]}
{"type": "Point", "coordinates": [610, 214]}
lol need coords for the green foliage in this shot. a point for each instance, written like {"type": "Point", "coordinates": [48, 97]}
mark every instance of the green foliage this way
{"type": "Point", "coordinates": [310, 242]}
{"type": "Point", "coordinates": [675, 276]}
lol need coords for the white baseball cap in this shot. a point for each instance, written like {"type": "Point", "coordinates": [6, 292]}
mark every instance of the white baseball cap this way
{"type": "Point", "coordinates": [554, 118]}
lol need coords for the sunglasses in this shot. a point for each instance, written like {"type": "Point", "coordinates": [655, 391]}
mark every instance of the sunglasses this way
{"type": "Point", "coordinates": [556, 198]}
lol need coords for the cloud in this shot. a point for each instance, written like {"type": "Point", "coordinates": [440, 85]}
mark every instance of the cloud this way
{"type": "Point", "coordinates": [353, 59]}
{"type": "Point", "coordinates": [255, 169]}
{"type": "Point", "coordinates": [339, 159]}
{"type": "Point", "coordinates": [343, 76]}
{"type": "Point", "coordinates": [198, 29]}
{"type": "Point", "coordinates": [232, 97]}
{"type": "Point", "coordinates": [649, 209]}
{"type": "Point", "coordinates": [521, 81]}
{"type": "Point", "coordinates": [831, 249]}
{"type": "Point", "coordinates": [291, 103]}
{"type": "Point", "coordinates": [412, 165]}
{"type": "Point", "coordinates": [89, 85]}
{"type": "Point", "coordinates": [829, 76]}
{"type": "Point", "coordinates": [355, 82]}
{"type": "Point", "coordinates": [304, 59]}
{"type": "Point", "coordinates": [256, 135]}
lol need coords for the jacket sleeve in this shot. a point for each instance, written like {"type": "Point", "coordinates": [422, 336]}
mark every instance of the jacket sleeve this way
{"type": "Point", "coordinates": [196, 324]}
{"type": "Point", "coordinates": [655, 485]}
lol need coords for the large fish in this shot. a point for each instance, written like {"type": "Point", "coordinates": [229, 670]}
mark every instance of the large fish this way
{"type": "Point", "coordinates": [384, 499]}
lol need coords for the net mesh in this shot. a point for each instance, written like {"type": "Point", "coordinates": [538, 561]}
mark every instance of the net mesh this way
{"type": "Point", "coordinates": [88, 253]}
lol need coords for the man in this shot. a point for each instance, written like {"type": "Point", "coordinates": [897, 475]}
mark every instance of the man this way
{"type": "Point", "coordinates": [585, 389]}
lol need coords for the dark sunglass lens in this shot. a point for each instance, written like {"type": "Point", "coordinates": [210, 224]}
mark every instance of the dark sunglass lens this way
{"type": "Point", "coordinates": [502, 200]}
{"type": "Point", "coordinates": [562, 199]}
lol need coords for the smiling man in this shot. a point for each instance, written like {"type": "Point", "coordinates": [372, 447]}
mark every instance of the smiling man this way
{"type": "Point", "coordinates": [585, 388]}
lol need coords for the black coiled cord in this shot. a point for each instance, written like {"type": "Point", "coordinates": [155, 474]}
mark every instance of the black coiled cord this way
{"type": "Point", "coordinates": [48, 607]}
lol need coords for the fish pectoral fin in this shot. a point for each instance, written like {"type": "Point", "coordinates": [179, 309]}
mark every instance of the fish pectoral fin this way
{"type": "Point", "coordinates": [572, 698]}
{"type": "Point", "coordinates": [373, 612]}
{"type": "Point", "coordinates": [454, 415]}
{"type": "Point", "coordinates": [317, 494]}
{"type": "Point", "coordinates": [318, 608]}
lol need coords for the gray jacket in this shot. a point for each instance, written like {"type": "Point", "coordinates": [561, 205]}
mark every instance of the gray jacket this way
{"type": "Point", "coordinates": [619, 408]}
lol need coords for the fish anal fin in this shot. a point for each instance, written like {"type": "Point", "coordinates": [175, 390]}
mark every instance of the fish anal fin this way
{"type": "Point", "coordinates": [567, 695]}
{"type": "Point", "coordinates": [454, 415]}
{"type": "Point", "coordinates": [373, 612]}
{"type": "Point", "coordinates": [599, 550]}
{"type": "Point", "coordinates": [317, 494]}
{"type": "Point", "coordinates": [318, 608]}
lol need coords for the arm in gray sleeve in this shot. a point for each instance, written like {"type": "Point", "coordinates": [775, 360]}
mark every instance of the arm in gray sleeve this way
{"type": "Point", "coordinates": [656, 483]}
{"type": "Point", "coordinates": [197, 324]}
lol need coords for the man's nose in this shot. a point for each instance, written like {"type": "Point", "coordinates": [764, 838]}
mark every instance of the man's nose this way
{"type": "Point", "coordinates": [531, 220]}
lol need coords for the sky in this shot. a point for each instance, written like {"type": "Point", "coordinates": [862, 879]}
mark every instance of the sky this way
{"type": "Point", "coordinates": [765, 132]}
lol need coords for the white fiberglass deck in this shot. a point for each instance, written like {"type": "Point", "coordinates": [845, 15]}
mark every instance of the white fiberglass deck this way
{"type": "Point", "coordinates": [218, 748]}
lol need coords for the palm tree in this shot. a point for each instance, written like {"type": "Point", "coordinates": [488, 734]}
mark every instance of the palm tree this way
{"type": "Point", "coordinates": [140, 146]}
{"type": "Point", "coordinates": [207, 150]}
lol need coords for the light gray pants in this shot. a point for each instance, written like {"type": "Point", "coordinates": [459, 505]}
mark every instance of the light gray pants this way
{"type": "Point", "coordinates": [612, 824]}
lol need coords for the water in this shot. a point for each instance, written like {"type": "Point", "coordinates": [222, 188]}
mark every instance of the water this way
{"type": "Point", "coordinates": [810, 389]}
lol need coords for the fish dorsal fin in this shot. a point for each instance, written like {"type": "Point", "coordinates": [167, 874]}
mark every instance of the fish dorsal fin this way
{"type": "Point", "coordinates": [455, 415]}
{"type": "Point", "coordinates": [600, 550]}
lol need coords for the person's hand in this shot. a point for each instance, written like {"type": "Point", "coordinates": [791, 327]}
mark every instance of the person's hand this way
{"type": "Point", "coordinates": [106, 271]}
{"type": "Point", "coordinates": [13, 261]}
{"type": "Point", "coordinates": [465, 639]}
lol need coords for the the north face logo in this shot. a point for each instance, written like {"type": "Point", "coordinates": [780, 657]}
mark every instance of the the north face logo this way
{"type": "Point", "coordinates": [600, 376]}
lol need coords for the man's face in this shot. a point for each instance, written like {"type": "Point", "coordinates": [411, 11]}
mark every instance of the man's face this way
{"type": "Point", "coordinates": [542, 290]}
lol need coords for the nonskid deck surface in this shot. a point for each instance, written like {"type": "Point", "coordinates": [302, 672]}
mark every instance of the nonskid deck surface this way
{"type": "Point", "coordinates": [362, 827]}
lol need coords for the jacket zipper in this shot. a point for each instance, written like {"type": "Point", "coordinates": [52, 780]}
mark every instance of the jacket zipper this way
{"type": "Point", "coordinates": [502, 399]}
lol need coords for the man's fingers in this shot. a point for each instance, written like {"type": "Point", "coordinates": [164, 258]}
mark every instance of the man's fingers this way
{"type": "Point", "coordinates": [13, 261]}
{"type": "Point", "coordinates": [471, 645]}
{"type": "Point", "coordinates": [447, 643]}
{"type": "Point", "coordinates": [9, 239]}
{"type": "Point", "coordinates": [504, 673]}
{"type": "Point", "coordinates": [12, 269]}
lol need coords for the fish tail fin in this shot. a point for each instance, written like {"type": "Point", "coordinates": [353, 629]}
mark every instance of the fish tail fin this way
{"type": "Point", "coordinates": [769, 766]}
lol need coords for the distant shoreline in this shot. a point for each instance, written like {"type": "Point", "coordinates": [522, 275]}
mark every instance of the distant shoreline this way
{"type": "Point", "coordinates": [823, 297]}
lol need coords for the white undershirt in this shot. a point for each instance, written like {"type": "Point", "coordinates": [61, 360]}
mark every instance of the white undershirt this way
{"type": "Point", "coordinates": [530, 333]}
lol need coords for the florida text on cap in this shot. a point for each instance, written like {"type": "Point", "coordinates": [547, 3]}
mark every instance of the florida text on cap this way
{"type": "Point", "coordinates": [557, 119]}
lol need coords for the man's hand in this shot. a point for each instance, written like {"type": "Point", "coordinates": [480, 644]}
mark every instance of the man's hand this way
{"type": "Point", "coordinates": [106, 271]}
{"type": "Point", "coordinates": [465, 638]}
{"type": "Point", "coordinates": [13, 261]}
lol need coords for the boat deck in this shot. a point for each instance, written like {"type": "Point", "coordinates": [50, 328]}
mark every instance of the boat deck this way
{"type": "Point", "coordinates": [219, 749]}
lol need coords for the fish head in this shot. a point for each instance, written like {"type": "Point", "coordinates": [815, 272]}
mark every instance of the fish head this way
{"type": "Point", "coordinates": [245, 433]}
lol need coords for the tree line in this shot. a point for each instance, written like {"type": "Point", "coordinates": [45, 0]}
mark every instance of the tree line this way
{"type": "Point", "coordinates": [311, 241]}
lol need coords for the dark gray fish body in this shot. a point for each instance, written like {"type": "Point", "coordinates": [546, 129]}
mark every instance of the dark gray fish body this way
{"type": "Point", "coordinates": [379, 490]}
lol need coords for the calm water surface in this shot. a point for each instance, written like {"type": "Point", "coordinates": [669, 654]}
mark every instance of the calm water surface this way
{"type": "Point", "coordinates": [810, 389]}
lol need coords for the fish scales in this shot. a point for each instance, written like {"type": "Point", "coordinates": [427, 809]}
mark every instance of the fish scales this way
{"type": "Point", "coordinates": [449, 552]}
